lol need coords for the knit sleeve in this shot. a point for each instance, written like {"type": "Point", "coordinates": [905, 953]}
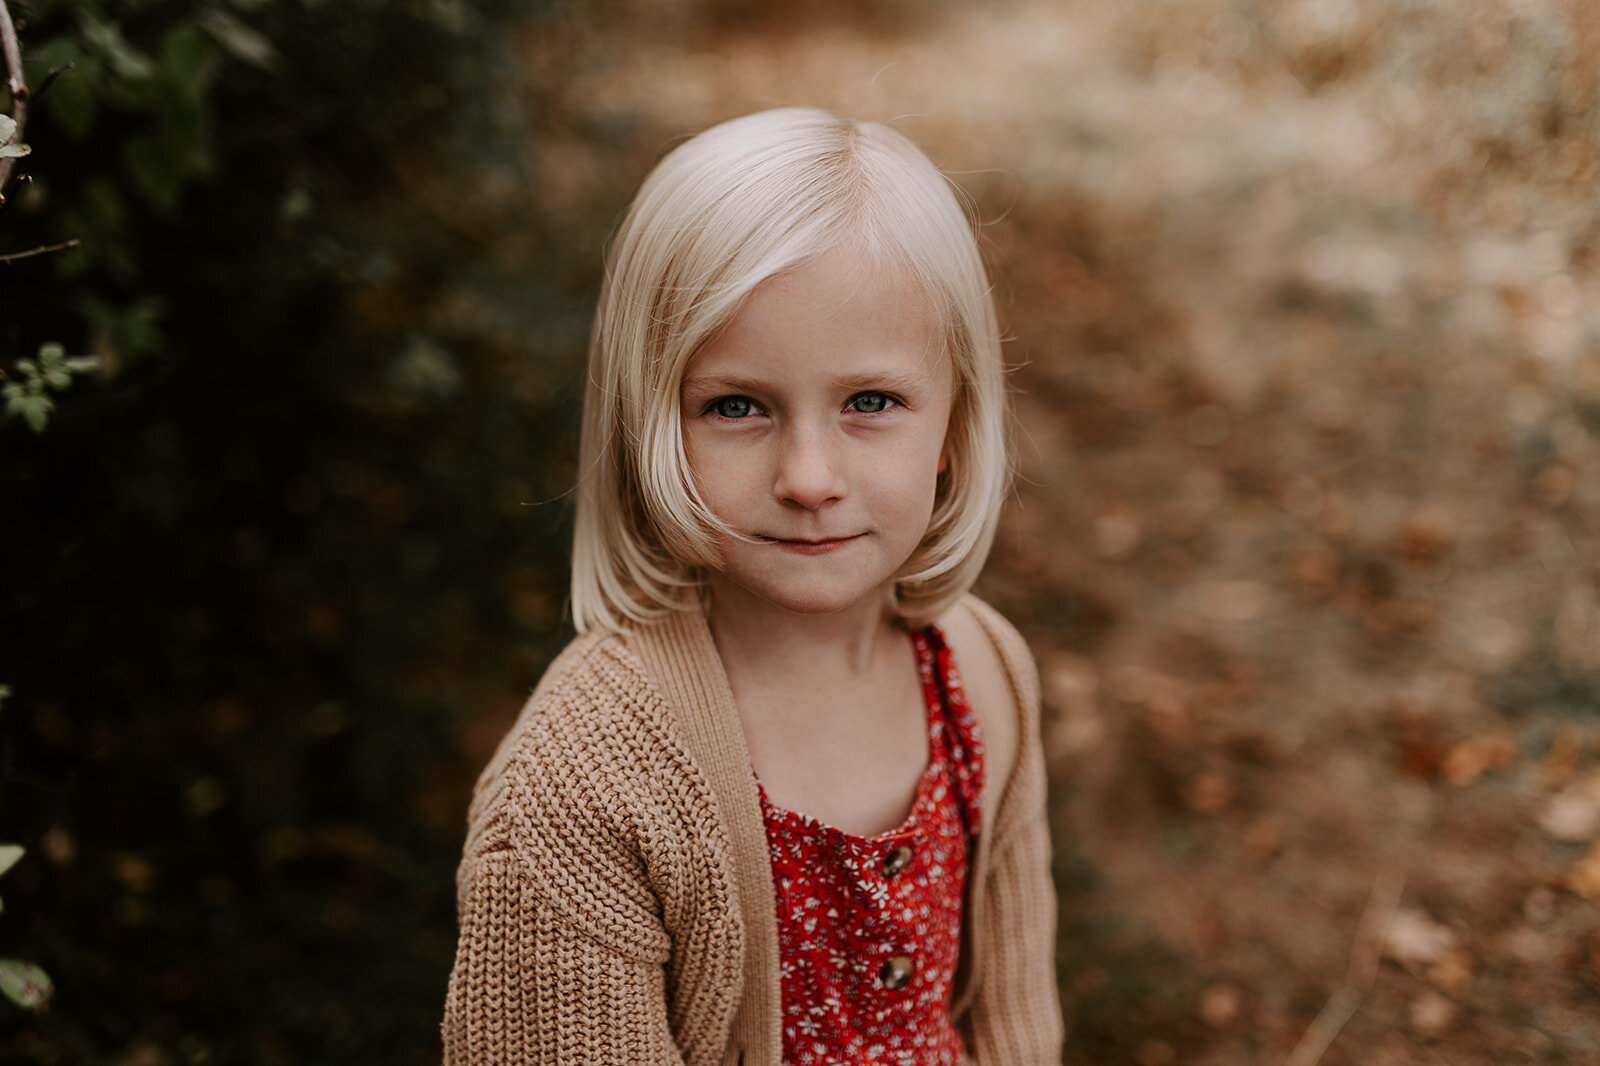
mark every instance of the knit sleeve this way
{"type": "Point", "coordinates": [528, 988]}
{"type": "Point", "coordinates": [1015, 1017]}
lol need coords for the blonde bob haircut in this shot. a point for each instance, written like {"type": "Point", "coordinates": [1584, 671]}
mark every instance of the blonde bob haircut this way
{"type": "Point", "coordinates": [720, 214]}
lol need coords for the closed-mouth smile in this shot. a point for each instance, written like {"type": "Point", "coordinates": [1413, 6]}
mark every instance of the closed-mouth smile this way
{"type": "Point", "coordinates": [808, 545]}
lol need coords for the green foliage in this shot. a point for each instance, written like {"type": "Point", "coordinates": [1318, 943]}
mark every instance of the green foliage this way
{"type": "Point", "coordinates": [8, 130]}
{"type": "Point", "coordinates": [127, 123]}
{"type": "Point", "coordinates": [127, 132]}
{"type": "Point", "coordinates": [127, 127]}
{"type": "Point", "coordinates": [25, 984]}
{"type": "Point", "coordinates": [272, 503]}
{"type": "Point", "coordinates": [22, 983]}
{"type": "Point", "coordinates": [29, 398]}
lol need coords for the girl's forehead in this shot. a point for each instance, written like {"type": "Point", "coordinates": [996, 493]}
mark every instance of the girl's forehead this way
{"type": "Point", "coordinates": [855, 266]}
{"type": "Point", "coordinates": [834, 319]}
{"type": "Point", "coordinates": [841, 282]}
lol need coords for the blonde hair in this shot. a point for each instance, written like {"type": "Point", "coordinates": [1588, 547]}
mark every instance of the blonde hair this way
{"type": "Point", "coordinates": [720, 214]}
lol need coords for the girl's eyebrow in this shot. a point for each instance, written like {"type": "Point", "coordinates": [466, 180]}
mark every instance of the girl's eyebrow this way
{"type": "Point", "coordinates": [720, 383]}
{"type": "Point", "coordinates": [866, 380]}
{"type": "Point", "coordinates": [883, 381]}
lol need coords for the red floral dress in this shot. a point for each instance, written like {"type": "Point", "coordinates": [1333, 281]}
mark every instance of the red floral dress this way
{"type": "Point", "coordinates": [869, 928]}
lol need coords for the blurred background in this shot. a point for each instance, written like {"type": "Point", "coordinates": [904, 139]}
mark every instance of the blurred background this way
{"type": "Point", "coordinates": [1302, 303]}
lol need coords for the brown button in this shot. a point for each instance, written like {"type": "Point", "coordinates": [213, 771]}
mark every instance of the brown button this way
{"type": "Point", "coordinates": [896, 860]}
{"type": "Point", "coordinates": [896, 972]}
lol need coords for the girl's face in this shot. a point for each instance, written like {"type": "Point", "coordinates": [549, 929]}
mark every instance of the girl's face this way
{"type": "Point", "coordinates": [815, 426]}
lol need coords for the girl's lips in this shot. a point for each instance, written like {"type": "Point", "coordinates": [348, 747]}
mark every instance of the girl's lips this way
{"type": "Point", "coordinates": [813, 546]}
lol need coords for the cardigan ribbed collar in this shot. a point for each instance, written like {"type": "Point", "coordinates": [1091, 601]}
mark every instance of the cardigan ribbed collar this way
{"type": "Point", "coordinates": [681, 658]}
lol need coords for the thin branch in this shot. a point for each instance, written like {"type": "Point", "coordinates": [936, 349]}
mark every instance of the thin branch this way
{"type": "Point", "coordinates": [13, 52]}
{"type": "Point", "coordinates": [45, 249]}
{"type": "Point", "coordinates": [50, 77]}
{"type": "Point", "coordinates": [19, 90]}
{"type": "Point", "coordinates": [1365, 956]}
{"type": "Point", "coordinates": [24, 178]}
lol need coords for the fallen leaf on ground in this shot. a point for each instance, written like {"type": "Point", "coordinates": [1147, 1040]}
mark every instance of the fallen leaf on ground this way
{"type": "Point", "coordinates": [1573, 814]}
{"type": "Point", "coordinates": [1427, 536]}
{"type": "Point", "coordinates": [1209, 793]}
{"type": "Point", "coordinates": [1559, 762]}
{"type": "Point", "coordinates": [1265, 836]}
{"type": "Point", "coordinates": [1467, 761]}
{"type": "Point", "coordinates": [1416, 941]}
{"type": "Point", "coordinates": [1584, 877]}
{"type": "Point", "coordinates": [1431, 1015]}
{"type": "Point", "coordinates": [1453, 973]}
{"type": "Point", "coordinates": [1219, 1005]}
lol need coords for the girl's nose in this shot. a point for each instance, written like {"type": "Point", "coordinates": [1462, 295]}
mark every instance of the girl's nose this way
{"type": "Point", "coordinates": [808, 473]}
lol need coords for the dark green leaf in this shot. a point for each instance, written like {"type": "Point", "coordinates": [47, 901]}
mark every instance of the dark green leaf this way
{"type": "Point", "coordinates": [188, 61]}
{"type": "Point", "coordinates": [107, 39]}
{"type": "Point", "coordinates": [36, 412]}
{"type": "Point", "coordinates": [240, 40]}
{"type": "Point", "coordinates": [8, 130]}
{"type": "Point", "coordinates": [25, 984]}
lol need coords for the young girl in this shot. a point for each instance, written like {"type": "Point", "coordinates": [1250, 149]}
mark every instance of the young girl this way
{"type": "Point", "coordinates": [754, 813]}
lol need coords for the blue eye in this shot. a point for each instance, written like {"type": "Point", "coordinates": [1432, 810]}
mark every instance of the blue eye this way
{"type": "Point", "coordinates": [733, 406]}
{"type": "Point", "coordinates": [870, 403]}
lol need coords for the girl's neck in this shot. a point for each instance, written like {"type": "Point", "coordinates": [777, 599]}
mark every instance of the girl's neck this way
{"type": "Point", "coordinates": [752, 635]}
{"type": "Point", "coordinates": [831, 706]}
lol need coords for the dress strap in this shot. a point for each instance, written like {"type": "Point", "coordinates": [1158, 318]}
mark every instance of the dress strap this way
{"type": "Point", "coordinates": [963, 738]}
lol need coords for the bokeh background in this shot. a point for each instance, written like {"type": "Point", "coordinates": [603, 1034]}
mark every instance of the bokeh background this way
{"type": "Point", "coordinates": [1303, 299]}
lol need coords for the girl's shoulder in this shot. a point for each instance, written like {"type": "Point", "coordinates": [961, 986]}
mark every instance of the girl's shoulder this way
{"type": "Point", "coordinates": [592, 694]}
{"type": "Point", "coordinates": [595, 786]}
{"type": "Point", "coordinates": [990, 650]}
{"type": "Point", "coordinates": [561, 694]}
{"type": "Point", "coordinates": [1000, 679]}
{"type": "Point", "coordinates": [609, 739]}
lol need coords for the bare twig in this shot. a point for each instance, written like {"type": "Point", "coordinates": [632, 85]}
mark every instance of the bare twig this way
{"type": "Point", "coordinates": [19, 90]}
{"type": "Point", "coordinates": [13, 51]}
{"type": "Point", "coordinates": [50, 79]}
{"type": "Point", "coordinates": [1365, 956]}
{"type": "Point", "coordinates": [44, 249]}
{"type": "Point", "coordinates": [17, 82]}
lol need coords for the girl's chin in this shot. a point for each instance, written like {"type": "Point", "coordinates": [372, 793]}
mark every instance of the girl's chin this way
{"type": "Point", "coordinates": [807, 603]}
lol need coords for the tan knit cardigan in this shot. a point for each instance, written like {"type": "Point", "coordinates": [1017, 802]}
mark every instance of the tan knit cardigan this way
{"type": "Point", "coordinates": [615, 899]}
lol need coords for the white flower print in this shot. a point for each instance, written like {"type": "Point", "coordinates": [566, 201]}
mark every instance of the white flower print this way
{"type": "Point", "coordinates": [841, 917]}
